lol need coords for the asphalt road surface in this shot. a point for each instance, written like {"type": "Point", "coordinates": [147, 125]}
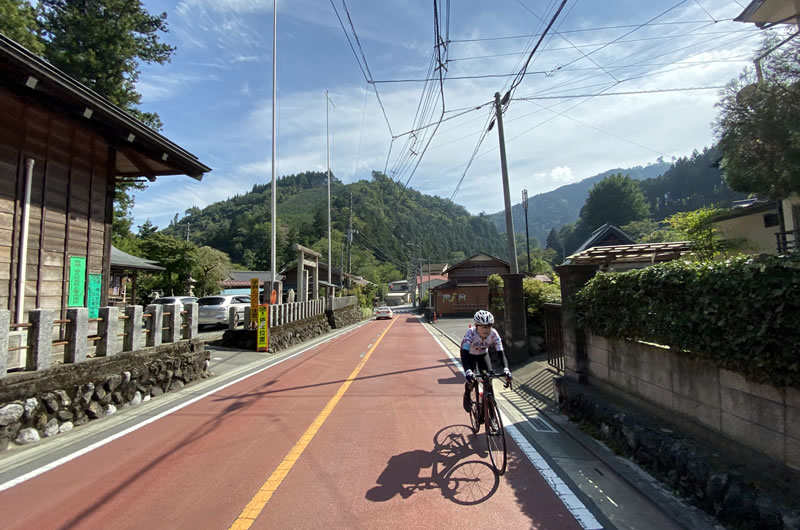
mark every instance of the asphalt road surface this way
{"type": "Point", "coordinates": [365, 430]}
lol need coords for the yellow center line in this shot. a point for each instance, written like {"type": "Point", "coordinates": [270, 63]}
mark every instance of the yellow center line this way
{"type": "Point", "coordinates": [263, 495]}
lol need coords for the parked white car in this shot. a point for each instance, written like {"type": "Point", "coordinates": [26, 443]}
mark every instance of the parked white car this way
{"type": "Point", "coordinates": [214, 309]}
{"type": "Point", "coordinates": [183, 300]}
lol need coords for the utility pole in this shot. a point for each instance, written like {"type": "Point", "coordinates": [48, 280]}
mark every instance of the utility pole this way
{"type": "Point", "coordinates": [527, 237]}
{"type": "Point", "coordinates": [328, 145]}
{"type": "Point", "coordinates": [512, 245]}
{"type": "Point", "coordinates": [187, 231]}
{"type": "Point", "coordinates": [350, 238]}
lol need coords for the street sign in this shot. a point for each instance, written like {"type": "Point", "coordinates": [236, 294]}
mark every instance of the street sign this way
{"type": "Point", "coordinates": [253, 301]}
{"type": "Point", "coordinates": [77, 281]}
{"type": "Point", "coordinates": [263, 327]}
{"type": "Point", "coordinates": [93, 294]}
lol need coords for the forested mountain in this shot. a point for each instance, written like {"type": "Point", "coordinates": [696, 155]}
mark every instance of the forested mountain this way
{"type": "Point", "coordinates": [562, 205]}
{"type": "Point", "coordinates": [390, 222]}
{"type": "Point", "coordinates": [691, 183]}
{"type": "Point", "coordinates": [687, 184]}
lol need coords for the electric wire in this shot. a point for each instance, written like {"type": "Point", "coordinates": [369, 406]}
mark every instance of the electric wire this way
{"type": "Point", "coordinates": [584, 30]}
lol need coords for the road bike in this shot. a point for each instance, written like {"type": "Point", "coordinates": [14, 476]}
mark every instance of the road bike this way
{"type": "Point", "coordinates": [484, 410]}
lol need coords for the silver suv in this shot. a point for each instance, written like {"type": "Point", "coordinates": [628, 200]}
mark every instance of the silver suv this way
{"type": "Point", "coordinates": [214, 309]}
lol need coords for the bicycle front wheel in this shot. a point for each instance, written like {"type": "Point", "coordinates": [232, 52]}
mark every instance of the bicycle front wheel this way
{"type": "Point", "coordinates": [495, 435]}
{"type": "Point", "coordinates": [475, 412]}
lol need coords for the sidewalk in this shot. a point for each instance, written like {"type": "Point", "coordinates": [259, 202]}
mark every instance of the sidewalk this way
{"type": "Point", "coordinates": [625, 495]}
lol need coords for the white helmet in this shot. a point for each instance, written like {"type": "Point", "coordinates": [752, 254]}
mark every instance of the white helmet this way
{"type": "Point", "coordinates": [484, 318]}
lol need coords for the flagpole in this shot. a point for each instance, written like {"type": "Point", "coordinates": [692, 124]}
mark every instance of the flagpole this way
{"type": "Point", "coordinates": [274, 146]}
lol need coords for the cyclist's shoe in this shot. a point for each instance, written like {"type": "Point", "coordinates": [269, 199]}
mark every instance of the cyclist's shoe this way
{"type": "Point", "coordinates": [467, 403]}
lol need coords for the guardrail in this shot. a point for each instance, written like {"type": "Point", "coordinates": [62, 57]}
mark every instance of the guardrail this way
{"type": "Point", "coordinates": [47, 340]}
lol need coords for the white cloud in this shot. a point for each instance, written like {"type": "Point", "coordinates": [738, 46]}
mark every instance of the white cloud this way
{"type": "Point", "coordinates": [546, 148]}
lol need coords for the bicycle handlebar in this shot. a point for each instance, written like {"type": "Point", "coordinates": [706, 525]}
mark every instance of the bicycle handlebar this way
{"type": "Point", "coordinates": [494, 375]}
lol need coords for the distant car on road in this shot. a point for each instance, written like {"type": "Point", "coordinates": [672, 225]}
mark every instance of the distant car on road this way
{"type": "Point", "coordinates": [383, 312]}
{"type": "Point", "coordinates": [214, 309]}
{"type": "Point", "coordinates": [183, 300]}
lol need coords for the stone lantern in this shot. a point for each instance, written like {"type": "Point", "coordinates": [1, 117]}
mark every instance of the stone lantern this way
{"type": "Point", "coordinates": [189, 284]}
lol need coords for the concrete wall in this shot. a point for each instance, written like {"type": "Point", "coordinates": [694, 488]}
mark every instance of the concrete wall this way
{"type": "Point", "coordinates": [759, 416]}
{"type": "Point", "coordinates": [751, 228]}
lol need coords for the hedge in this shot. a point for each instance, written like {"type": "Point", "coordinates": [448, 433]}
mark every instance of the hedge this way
{"type": "Point", "coordinates": [743, 314]}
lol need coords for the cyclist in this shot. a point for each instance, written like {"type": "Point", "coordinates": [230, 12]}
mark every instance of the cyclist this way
{"type": "Point", "coordinates": [475, 352]}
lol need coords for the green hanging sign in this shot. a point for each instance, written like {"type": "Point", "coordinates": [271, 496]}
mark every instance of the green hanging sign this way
{"type": "Point", "coordinates": [77, 281]}
{"type": "Point", "coordinates": [93, 295]}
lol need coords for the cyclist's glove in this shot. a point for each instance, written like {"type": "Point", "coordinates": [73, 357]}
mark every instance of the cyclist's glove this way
{"type": "Point", "coordinates": [469, 375]}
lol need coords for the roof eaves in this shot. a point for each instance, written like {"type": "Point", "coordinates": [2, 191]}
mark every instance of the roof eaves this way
{"type": "Point", "coordinates": [93, 100]}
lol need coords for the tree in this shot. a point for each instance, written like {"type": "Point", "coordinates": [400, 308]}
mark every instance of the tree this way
{"type": "Point", "coordinates": [210, 268]}
{"type": "Point", "coordinates": [697, 227]}
{"type": "Point", "coordinates": [555, 243]}
{"type": "Point", "coordinates": [18, 22]}
{"type": "Point", "coordinates": [758, 125]}
{"type": "Point", "coordinates": [617, 199]}
{"type": "Point", "coordinates": [101, 44]}
{"type": "Point", "coordinates": [175, 255]}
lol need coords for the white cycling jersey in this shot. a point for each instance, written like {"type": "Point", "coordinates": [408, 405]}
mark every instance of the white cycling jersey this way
{"type": "Point", "coordinates": [478, 346]}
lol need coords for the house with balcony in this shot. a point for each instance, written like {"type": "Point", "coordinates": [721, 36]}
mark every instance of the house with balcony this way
{"type": "Point", "coordinates": [765, 226]}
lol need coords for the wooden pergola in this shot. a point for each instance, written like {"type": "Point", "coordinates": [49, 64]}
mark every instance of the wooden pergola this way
{"type": "Point", "coordinates": [639, 254]}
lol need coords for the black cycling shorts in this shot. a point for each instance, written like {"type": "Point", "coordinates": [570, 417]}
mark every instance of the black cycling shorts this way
{"type": "Point", "coordinates": [476, 363]}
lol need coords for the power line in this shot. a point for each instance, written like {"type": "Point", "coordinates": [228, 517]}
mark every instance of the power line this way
{"type": "Point", "coordinates": [627, 93]}
{"type": "Point", "coordinates": [604, 28]}
{"type": "Point", "coordinates": [515, 83]}
{"type": "Point", "coordinates": [367, 74]}
{"type": "Point", "coordinates": [590, 45]}
{"type": "Point", "coordinates": [571, 44]}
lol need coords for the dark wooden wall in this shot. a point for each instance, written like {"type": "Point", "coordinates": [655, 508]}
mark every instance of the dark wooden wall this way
{"type": "Point", "coordinates": [71, 199]}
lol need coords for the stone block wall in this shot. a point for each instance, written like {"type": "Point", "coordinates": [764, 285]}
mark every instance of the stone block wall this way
{"type": "Point", "coordinates": [759, 416]}
{"type": "Point", "coordinates": [341, 318]}
{"type": "Point", "coordinates": [34, 405]}
{"type": "Point", "coordinates": [280, 337]}
{"type": "Point", "coordinates": [724, 485]}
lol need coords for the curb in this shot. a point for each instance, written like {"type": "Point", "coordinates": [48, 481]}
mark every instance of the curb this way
{"type": "Point", "coordinates": [676, 509]}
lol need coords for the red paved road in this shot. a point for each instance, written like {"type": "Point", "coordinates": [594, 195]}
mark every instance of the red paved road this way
{"type": "Point", "coordinates": [395, 452]}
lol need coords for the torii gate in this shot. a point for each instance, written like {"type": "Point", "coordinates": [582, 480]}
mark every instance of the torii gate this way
{"type": "Point", "coordinates": [302, 278]}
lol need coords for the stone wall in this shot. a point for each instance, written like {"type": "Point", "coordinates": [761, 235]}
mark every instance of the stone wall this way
{"type": "Point", "coordinates": [740, 490]}
{"type": "Point", "coordinates": [759, 416]}
{"type": "Point", "coordinates": [40, 404]}
{"type": "Point", "coordinates": [341, 318]}
{"type": "Point", "coordinates": [280, 337]}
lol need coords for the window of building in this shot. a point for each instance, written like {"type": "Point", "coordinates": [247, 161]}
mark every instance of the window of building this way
{"type": "Point", "coordinates": [770, 219]}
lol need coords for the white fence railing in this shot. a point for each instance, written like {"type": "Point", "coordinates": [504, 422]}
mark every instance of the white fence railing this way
{"type": "Point", "coordinates": [281, 314]}
{"type": "Point", "coordinates": [343, 301]}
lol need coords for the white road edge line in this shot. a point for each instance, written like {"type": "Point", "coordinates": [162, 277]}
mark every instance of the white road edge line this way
{"type": "Point", "coordinates": [63, 460]}
{"type": "Point", "coordinates": [559, 487]}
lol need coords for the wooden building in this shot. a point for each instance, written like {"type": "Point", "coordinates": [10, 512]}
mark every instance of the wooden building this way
{"type": "Point", "coordinates": [467, 287]}
{"type": "Point", "coordinates": [63, 148]}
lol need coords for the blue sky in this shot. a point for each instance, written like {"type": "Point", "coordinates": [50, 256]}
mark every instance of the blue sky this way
{"type": "Point", "coordinates": [215, 96]}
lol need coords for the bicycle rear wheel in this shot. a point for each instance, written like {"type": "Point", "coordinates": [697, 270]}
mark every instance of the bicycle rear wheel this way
{"type": "Point", "coordinates": [495, 435]}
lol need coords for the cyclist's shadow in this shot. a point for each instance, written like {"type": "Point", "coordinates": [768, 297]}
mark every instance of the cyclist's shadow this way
{"type": "Point", "coordinates": [456, 470]}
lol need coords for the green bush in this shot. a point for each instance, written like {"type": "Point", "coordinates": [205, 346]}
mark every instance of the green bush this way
{"type": "Point", "coordinates": [536, 295]}
{"type": "Point", "coordinates": [741, 313]}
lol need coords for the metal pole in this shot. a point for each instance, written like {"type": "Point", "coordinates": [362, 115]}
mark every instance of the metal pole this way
{"type": "Point", "coordinates": [512, 245]}
{"type": "Point", "coordinates": [527, 236]}
{"type": "Point", "coordinates": [22, 266]}
{"type": "Point", "coordinates": [328, 143]}
{"type": "Point", "coordinates": [274, 146]}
